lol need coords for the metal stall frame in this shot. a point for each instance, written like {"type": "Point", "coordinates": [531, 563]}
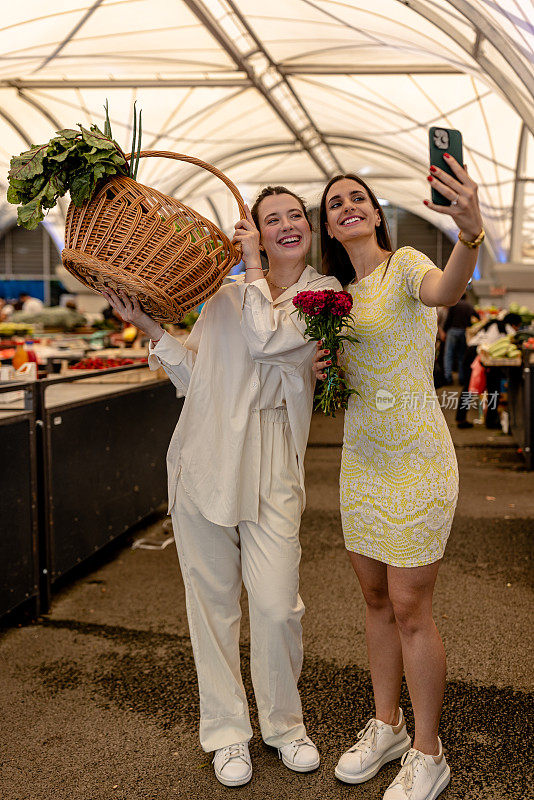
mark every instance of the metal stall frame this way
{"type": "Point", "coordinates": [528, 408]}
{"type": "Point", "coordinates": [32, 598]}
{"type": "Point", "coordinates": [44, 464]}
{"type": "Point", "coordinates": [520, 399]}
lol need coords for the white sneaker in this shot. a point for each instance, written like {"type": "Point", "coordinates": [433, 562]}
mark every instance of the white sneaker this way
{"type": "Point", "coordinates": [300, 755]}
{"type": "Point", "coordinates": [232, 764]}
{"type": "Point", "coordinates": [421, 777]}
{"type": "Point", "coordinates": [377, 744]}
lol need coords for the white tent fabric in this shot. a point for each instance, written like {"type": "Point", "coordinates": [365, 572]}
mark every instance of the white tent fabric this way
{"type": "Point", "coordinates": [288, 91]}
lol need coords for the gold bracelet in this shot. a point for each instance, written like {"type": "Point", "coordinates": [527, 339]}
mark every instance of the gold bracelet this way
{"type": "Point", "coordinates": [475, 243]}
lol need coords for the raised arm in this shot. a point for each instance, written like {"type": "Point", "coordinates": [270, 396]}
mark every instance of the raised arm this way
{"type": "Point", "coordinates": [274, 335]}
{"type": "Point", "coordinates": [446, 288]}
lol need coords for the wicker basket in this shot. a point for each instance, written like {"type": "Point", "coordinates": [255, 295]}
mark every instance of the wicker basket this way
{"type": "Point", "coordinates": [132, 237]}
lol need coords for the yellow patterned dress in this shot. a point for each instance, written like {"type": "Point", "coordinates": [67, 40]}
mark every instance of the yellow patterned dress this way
{"type": "Point", "coordinates": [399, 475]}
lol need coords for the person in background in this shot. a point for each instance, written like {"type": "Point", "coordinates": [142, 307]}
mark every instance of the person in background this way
{"type": "Point", "coordinates": [492, 330]}
{"type": "Point", "coordinates": [29, 304]}
{"type": "Point", "coordinates": [112, 318]}
{"type": "Point", "coordinates": [121, 332]}
{"type": "Point", "coordinates": [6, 309]}
{"type": "Point", "coordinates": [439, 379]}
{"type": "Point", "coordinates": [458, 319]}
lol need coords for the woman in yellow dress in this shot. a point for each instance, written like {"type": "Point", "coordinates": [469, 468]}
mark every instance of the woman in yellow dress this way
{"type": "Point", "coordinates": [399, 476]}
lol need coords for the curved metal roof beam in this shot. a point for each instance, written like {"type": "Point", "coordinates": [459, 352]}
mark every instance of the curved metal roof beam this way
{"type": "Point", "coordinates": [123, 83]}
{"type": "Point", "coordinates": [416, 124]}
{"type": "Point", "coordinates": [451, 64]}
{"type": "Point", "coordinates": [251, 153]}
{"type": "Point", "coordinates": [266, 151]}
{"type": "Point", "coordinates": [16, 127]}
{"type": "Point", "coordinates": [243, 155]}
{"type": "Point", "coordinates": [269, 82]}
{"type": "Point", "coordinates": [510, 92]}
{"type": "Point", "coordinates": [382, 149]}
{"type": "Point", "coordinates": [518, 205]}
{"type": "Point", "coordinates": [55, 124]}
{"type": "Point", "coordinates": [215, 212]}
{"type": "Point", "coordinates": [499, 42]}
{"type": "Point", "coordinates": [10, 219]}
{"type": "Point", "coordinates": [72, 33]}
{"type": "Point", "coordinates": [41, 109]}
{"type": "Point", "coordinates": [205, 109]}
{"type": "Point", "coordinates": [287, 68]}
{"type": "Point", "coordinates": [487, 30]}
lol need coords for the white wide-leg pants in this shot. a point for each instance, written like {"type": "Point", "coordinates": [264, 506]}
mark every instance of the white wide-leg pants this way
{"type": "Point", "coordinates": [215, 561]}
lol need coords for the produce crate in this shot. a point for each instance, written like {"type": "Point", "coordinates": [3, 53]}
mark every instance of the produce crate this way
{"type": "Point", "coordinates": [132, 352]}
{"type": "Point", "coordinates": [128, 376]}
{"type": "Point", "coordinates": [120, 352]}
{"type": "Point", "coordinates": [489, 361]}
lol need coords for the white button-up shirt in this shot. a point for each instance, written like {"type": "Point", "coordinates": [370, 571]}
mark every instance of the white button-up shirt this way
{"type": "Point", "coordinates": [245, 353]}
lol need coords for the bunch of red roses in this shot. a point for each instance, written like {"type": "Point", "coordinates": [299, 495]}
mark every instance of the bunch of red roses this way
{"type": "Point", "coordinates": [327, 313]}
{"type": "Point", "coordinates": [314, 303]}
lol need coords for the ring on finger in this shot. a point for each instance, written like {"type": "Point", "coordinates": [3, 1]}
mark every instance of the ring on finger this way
{"type": "Point", "coordinates": [455, 201]}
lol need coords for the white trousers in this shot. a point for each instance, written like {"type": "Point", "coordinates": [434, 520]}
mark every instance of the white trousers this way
{"type": "Point", "coordinates": [265, 556]}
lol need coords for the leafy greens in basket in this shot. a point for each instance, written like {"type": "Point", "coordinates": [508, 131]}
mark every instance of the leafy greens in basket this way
{"type": "Point", "coordinates": [72, 161]}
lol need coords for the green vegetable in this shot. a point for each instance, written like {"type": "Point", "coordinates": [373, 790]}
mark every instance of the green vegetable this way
{"type": "Point", "coordinates": [8, 329]}
{"type": "Point", "coordinates": [189, 320]}
{"type": "Point", "coordinates": [53, 317]}
{"type": "Point", "coordinates": [196, 235]}
{"type": "Point", "coordinates": [136, 144]}
{"type": "Point", "coordinates": [107, 123]}
{"type": "Point", "coordinates": [72, 161]}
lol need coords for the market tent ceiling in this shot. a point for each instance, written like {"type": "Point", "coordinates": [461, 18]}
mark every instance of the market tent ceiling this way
{"type": "Point", "coordinates": [288, 91]}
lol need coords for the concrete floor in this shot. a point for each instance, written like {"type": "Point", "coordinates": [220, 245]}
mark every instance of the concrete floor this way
{"type": "Point", "coordinates": [98, 699]}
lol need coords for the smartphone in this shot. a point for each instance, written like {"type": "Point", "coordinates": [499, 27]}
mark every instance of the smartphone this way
{"type": "Point", "coordinates": [444, 140]}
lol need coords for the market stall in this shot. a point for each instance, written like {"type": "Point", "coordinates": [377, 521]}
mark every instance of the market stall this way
{"type": "Point", "coordinates": [507, 362]}
{"type": "Point", "coordinates": [91, 448]}
{"type": "Point", "coordinates": [19, 567]}
{"type": "Point", "coordinates": [517, 373]}
{"type": "Point", "coordinates": [104, 448]}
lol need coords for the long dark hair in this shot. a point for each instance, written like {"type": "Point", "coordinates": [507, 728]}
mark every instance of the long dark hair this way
{"type": "Point", "coordinates": [335, 258]}
{"type": "Point", "coordinates": [270, 190]}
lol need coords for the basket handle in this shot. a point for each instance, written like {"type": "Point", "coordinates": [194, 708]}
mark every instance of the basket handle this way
{"type": "Point", "coordinates": [192, 160]}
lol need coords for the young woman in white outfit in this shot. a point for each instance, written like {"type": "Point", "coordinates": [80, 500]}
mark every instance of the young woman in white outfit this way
{"type": "Point", "coordinates": [399, 478]}
{"type": "Point", "coordinates": [236, 483]}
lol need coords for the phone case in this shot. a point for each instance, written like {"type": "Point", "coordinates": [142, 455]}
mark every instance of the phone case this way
{"type": "Point", "coordinates": [444, 140]}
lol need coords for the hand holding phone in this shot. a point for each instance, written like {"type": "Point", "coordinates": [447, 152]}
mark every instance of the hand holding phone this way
{"type": "Point", "coordinates": [454, 192]}
{"type": "Point", "coordinates": [444, 140]}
